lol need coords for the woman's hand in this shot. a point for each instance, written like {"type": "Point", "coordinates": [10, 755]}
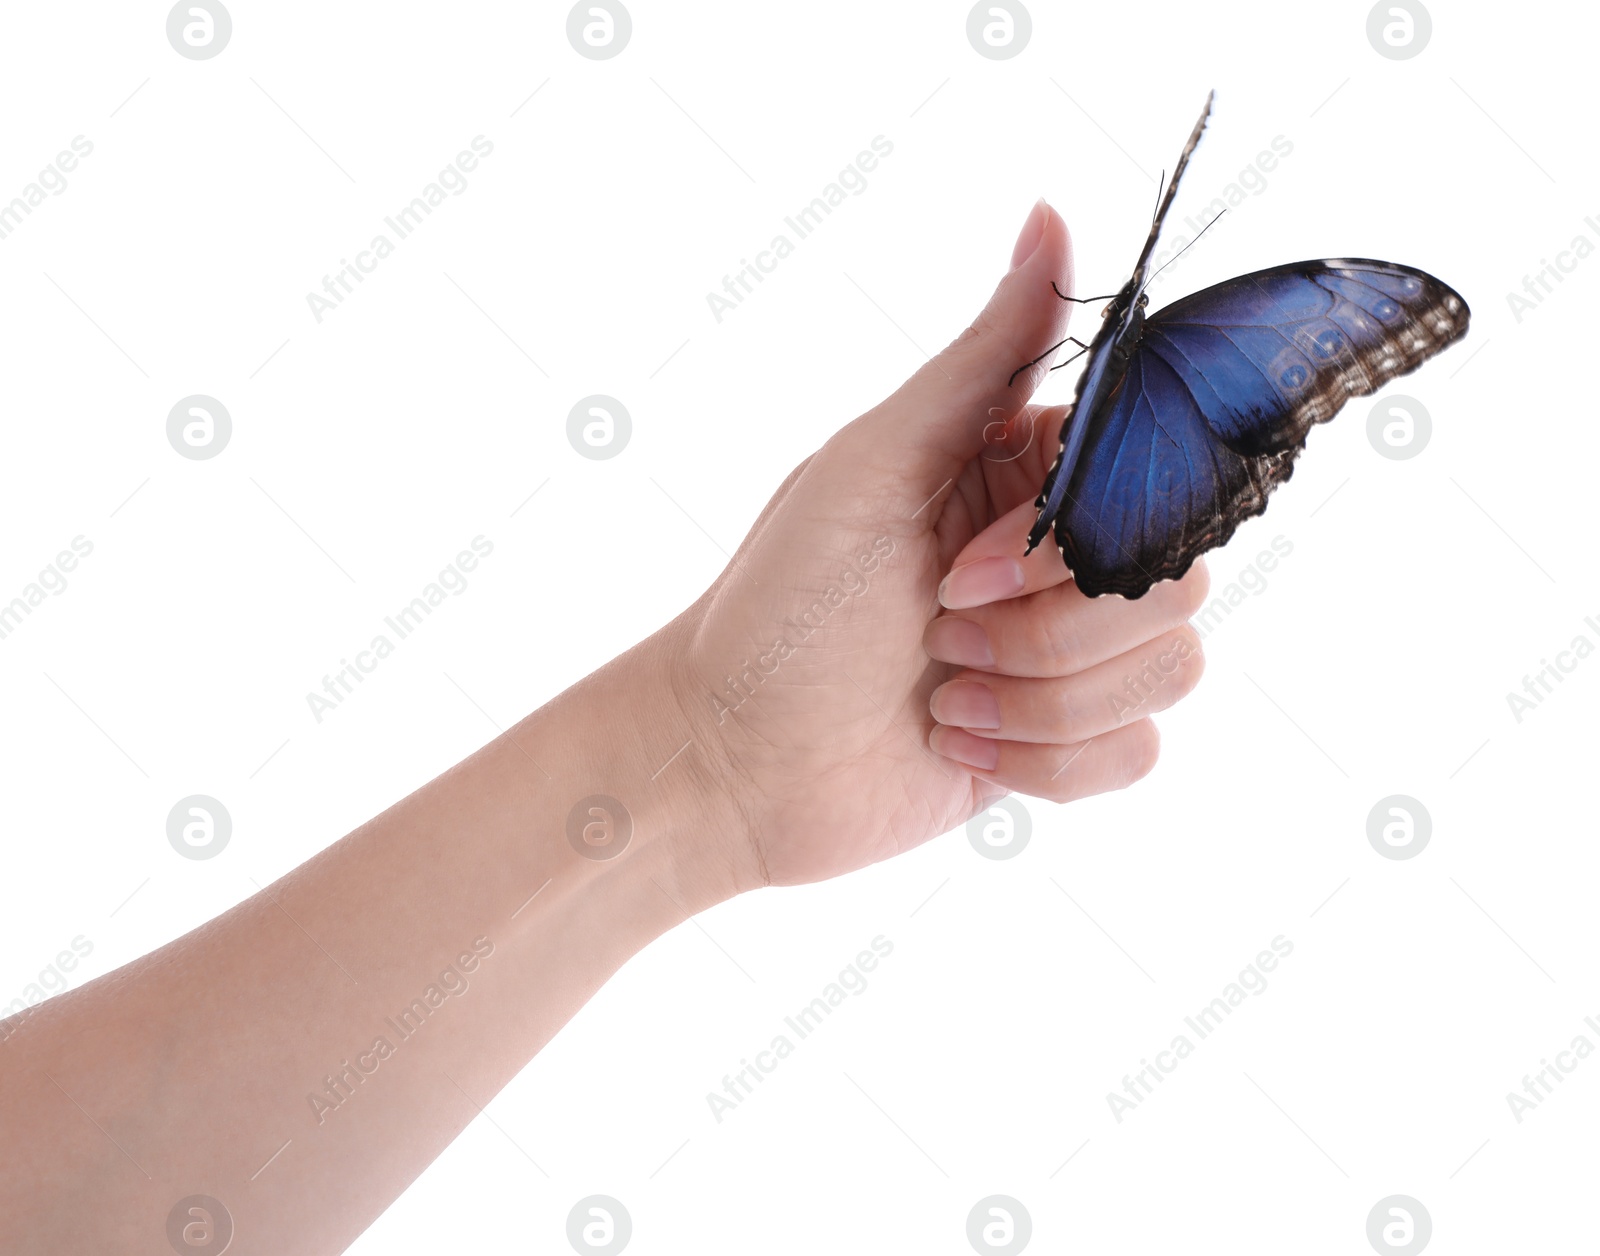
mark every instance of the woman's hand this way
{"type": "Point", "coordinates": [879, 662]}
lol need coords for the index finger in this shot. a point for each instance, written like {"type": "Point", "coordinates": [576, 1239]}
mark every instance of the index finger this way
{"type": "Point", "coordinates": [992, 567]}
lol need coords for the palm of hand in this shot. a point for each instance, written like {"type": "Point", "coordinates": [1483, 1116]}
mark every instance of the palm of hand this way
{"type": "Point", "coordinates": [812, 644]}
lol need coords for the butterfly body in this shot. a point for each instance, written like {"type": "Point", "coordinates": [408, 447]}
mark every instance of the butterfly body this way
{"type": "Point", "coordinates": [1186, 419]}
{"type": "Point", "coordinates": [1108, 363]}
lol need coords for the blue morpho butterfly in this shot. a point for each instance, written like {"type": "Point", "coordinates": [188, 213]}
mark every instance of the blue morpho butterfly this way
{"type": "Point", "coordinates": [1185, 420]}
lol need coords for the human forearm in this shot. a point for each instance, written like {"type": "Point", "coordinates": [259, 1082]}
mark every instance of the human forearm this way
{"type": "Point", "coordinates": [297, 1027]}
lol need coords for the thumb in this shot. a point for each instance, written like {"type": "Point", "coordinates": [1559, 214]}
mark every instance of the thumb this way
{"type": "Point", "coordinates": [939, 417]}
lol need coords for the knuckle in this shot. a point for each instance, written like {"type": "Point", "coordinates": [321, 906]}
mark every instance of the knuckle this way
{"type": "Point", "coordinates": [1080, 716]}
{"type": "Point", "coordinates": [1064, 786]}
{"type": "Point", "coordinates": [1143, 750]}
{"type": "Point", "coordinates": [981, 325]}
{"type": "Point", "coordinates": [1062, 791]}
{"type": "Point", "coordinates": [1056, 643]}
{"type": "Point", "coordinates": [975, 333]}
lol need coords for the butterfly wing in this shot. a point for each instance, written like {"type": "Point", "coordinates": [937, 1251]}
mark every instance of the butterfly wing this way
{"type": "Point", "coordinates": [1269, 354]}
{"type": "Point", "coordinates": [1218, 399]}
{"type": "Point", "coordinates": [1155, 488]}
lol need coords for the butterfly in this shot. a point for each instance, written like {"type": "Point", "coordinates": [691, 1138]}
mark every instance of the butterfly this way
{"type": "Point", "coordinates": [1186, 419]}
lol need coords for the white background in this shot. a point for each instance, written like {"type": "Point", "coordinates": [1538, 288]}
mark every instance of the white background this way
{"type": "Point", "coordinates": [1376, 661]}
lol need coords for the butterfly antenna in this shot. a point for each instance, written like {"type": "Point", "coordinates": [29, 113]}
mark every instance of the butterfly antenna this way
{"type": "Point", "coordinates": [1187, 246]}
{"type": "Point", "coordinates": [1161, 186]}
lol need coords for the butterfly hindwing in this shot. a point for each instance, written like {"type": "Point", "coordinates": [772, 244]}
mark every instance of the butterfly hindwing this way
{"type": "Point", "coordinates": [1218, 398]}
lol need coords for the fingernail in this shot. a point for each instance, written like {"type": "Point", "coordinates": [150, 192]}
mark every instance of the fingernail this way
{"type": "Point", "coordinates": [1032, 233]}
{"type": "Point", "coordinates": [979, 753]}
{"type": "Point", "coordinates": [965, 704]}
{"type": "Point", "coordinates": [978, 583]}
{"type": "Point", "coordinates": [958, 641]}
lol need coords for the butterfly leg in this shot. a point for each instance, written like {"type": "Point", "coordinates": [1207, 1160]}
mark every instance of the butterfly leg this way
{"type": "Point", "coordinates": [1078, 300]}
{"type": "Point", "coordinates": [1082, 349]}
{"type": "Point", "coordinates": [1072, 359]}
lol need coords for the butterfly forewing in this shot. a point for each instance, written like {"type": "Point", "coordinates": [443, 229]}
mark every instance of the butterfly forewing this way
{"type": "Point", "coordinates": [1272, 353]}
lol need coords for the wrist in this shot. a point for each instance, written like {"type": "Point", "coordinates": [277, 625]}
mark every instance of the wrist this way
{"type": "Point", "coordinates": [649, 749]}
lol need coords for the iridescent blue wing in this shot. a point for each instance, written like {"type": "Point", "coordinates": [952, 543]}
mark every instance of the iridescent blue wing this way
{"type": "Point", "coordinates": [1217, 401]}
{"type": "Point", "coordinates": [1155, 488]}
